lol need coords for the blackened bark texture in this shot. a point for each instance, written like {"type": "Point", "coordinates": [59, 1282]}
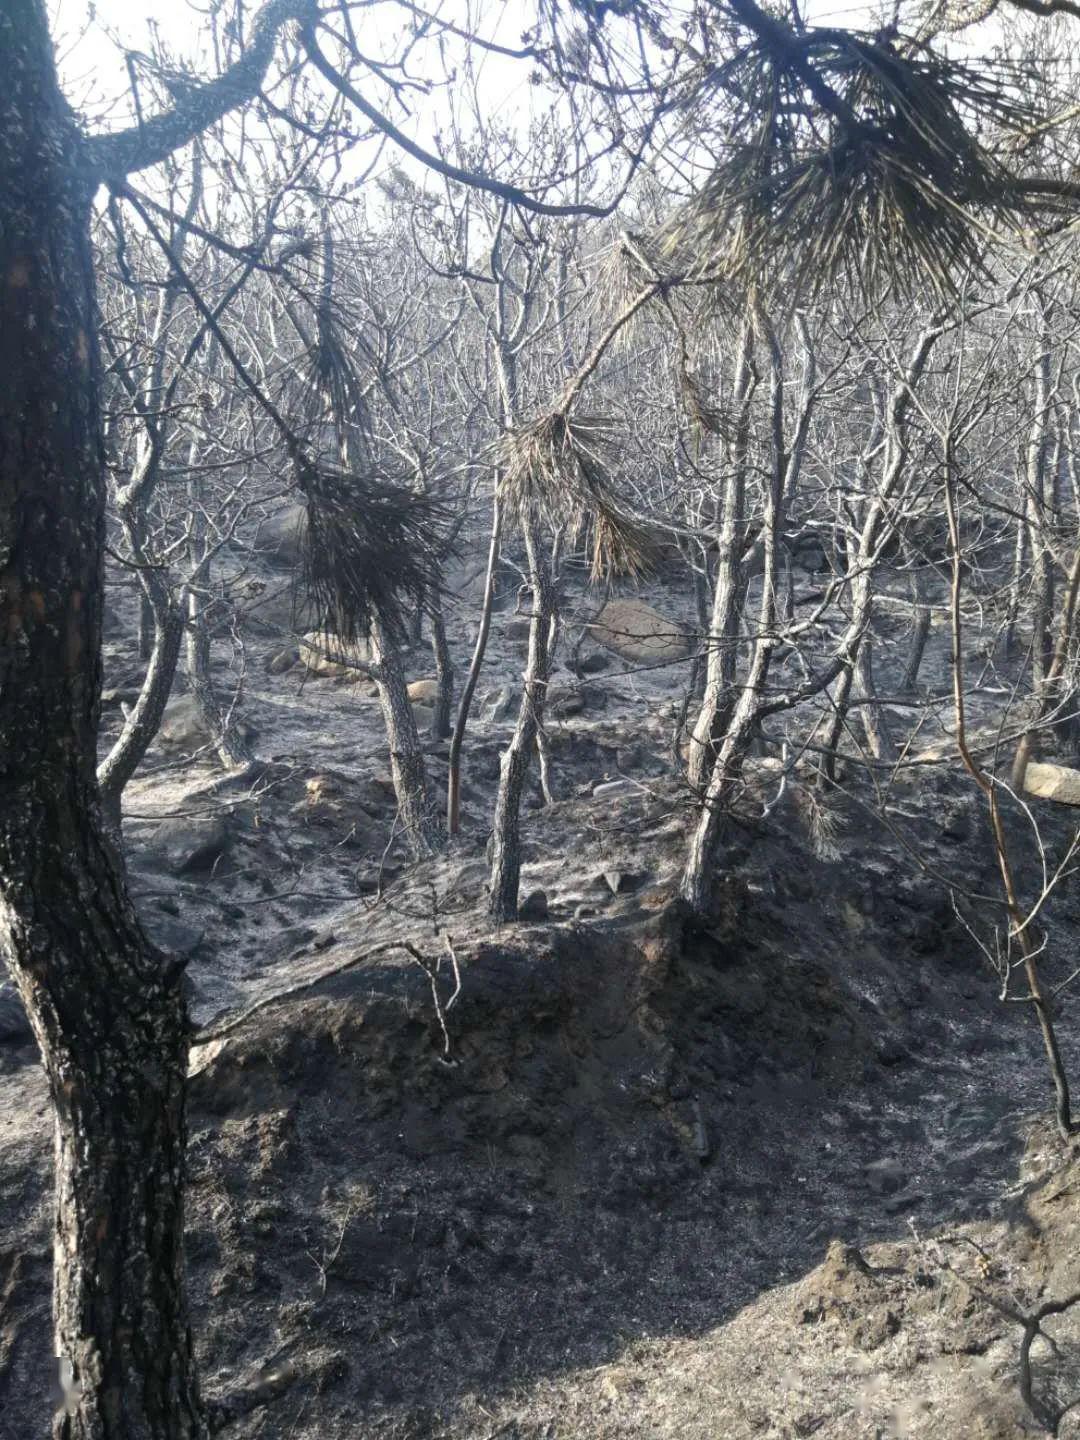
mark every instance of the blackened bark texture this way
{"type": "Point", "coordinates": [698, 878]}
{"type": "Point", "coordinates": [1038, 509]}
{"type": "Point", "coordinates": [108, 1015]}
{"type": "Point", "coordinates": [920, 627]}
{"type": "Point", "coordinates": [444, 669]}
{"type": "Point", "coordinates": [875, 721]}
{"type": "Point", "coordinates": [543, 744]}
{"type": "Point", "coordinates": [729, 584]}
{"type": "Point", "coordinates": [221, 722]}
{"type": "Point", "coordinates": [514, 767]}
{"type": "Point", "coordinates": [423, 833]}
{"type": "Point", "coordinates": [144, 719]}
{"type": "Point", "coordinates": [147, 628]}
{"type": "Point", "coordinates": [453, 794]}
{"type": "Point", "coordinates": [1017, 584]}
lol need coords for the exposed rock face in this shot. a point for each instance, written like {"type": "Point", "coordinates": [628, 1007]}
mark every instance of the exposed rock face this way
{"type": "Point", "coordinates": [327, 655]}
{"type": "Point", "coordinates": [1053, 782]}
{"type": "Point", "coordinates": [637, 632]}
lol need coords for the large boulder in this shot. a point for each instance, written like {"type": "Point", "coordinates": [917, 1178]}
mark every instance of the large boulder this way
{"type": "Point", "coordinates": [1053, 782]}
{"type": "Point", "coordinates": [184, 727]}
{"type": "Point", "coordinates": [424, 692]}
{"type": "Point", "coordinates": [280, 538]}
{"type": "Point", "coordinates": [637, 632]}
{"type": "Point", "coordinates": [329, 656]}
{"type": "Point", "coordinates": [187, 846]}
{"type": "Point", "coordinates": [277, 608]}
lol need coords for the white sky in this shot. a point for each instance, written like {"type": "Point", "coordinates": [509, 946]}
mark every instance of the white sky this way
{"type": "Point", "coordinates": [91, 36]}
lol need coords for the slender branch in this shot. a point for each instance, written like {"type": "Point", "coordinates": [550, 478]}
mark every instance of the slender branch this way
{"type": "Point", "coordinates": [154, 140]}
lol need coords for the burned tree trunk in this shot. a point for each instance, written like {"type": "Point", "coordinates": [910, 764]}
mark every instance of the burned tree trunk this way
{"type": "Point", "coordinates": [423, 832]}
{"type": "Point", "coordinates": [920, 628]}
{"type": "Point", "coordinates": [108, 1014]}
{"type": "Point", "coordinates": [233, 749]}
{"type": "Point", "coordinates": [444, 670]}
{"type": "Point", "coordinates": [506, 839]}
{"type": "Point", "coordinates": [144, 719]}
{"type": "Point", "coordinates": [453, 801]}
{"type": "Point", "coordinates": [729, 586]}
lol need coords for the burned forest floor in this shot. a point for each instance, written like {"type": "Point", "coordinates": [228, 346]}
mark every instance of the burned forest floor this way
{"type": "Point", "coordinates": [603, 1172]}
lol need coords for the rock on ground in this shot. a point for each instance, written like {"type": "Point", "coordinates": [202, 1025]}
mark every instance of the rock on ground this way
{"type": "Point", "coordinates": [637, 632]}
{"type": "Point", "coordinates": [1053, 782]}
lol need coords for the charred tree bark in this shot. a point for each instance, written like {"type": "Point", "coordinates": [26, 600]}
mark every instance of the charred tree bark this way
{"type": "Point", "coordinates": [514, 768]}
{"type": "Point", "coordinates": [728, 587]}
{"type": "Point", "coordinates": [1038, 510]}
{"type": "Point", "coordinates": [453, 800]}
{"type": "Point", "coordinates": [144, 718]}
{"type": "Point", "coordinates": [147, 627]}
{"type": "Point", "coordinates": [698, 879]}
{"type": "Point", "coordinates": [444, 670]}
{"type": "Point", "coordinates": [422, 831]}
{"type": "Point", "coordinates": [108, 1015]}
{"type": "Point", "coordinates": [920, 629]}
{"type": "Point", "coordinates": [229, 741]}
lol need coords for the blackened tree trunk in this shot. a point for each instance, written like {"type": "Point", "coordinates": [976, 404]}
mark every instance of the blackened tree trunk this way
{"type": "Point", "coordinates": [108, 1014]}
{"type": "Point", "coordinates": [144, 719]}
{"type": "Point", "coordinates": [229, 740]}
{"type": "Point", "coordinates": [453, 800]}
{"type": "Point", "coordinates": [920, 627]}
{"type": "Point", "coordinates": [423, 833]}
{"type": "Point", "coordinates": [729, 585]}
{"type": "Point", "coordinates": [514, 766]}
{"type": "Point", "coordinates": [444, 669]}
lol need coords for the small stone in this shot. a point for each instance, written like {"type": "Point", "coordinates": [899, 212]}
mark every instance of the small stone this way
{"type": "Point", "coordinates": [565, 703]}
{"type": "Point", "coordinates": [592, 662]}
{"type": "Point", "coordinates": [118, 696]}
{"type": "Point", "coordinates": [534, 906]}
{"type": "Point", "coordinates": [619, 882]}
{"type": "Point", "coordinates": [636, 631]}
{"type": "Point", "coordinates": [613, 789]}
{"type": "Point", "coordinates": [183, 725]}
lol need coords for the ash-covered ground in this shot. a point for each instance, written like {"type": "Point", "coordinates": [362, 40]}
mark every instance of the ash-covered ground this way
{"type": "Point", "coordinates": [787, 1174]}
